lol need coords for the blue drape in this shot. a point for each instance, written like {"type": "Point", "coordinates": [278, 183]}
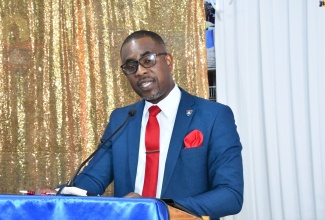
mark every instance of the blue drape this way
{"type": "Point", "coordinates": [71, 207]}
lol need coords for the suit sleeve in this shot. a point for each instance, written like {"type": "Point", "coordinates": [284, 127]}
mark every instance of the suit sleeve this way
{"type": "Point", "coordinates": [225, 171]}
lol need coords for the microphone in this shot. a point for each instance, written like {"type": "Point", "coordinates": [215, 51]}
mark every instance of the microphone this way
{"type": "Point", "coordinates": [70, 183]}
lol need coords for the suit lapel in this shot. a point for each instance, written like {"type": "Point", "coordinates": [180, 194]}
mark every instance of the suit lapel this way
{"type": "Point", "coordinates": [133, 138]}
{"type": "Point", "coordinates": [185, 113]}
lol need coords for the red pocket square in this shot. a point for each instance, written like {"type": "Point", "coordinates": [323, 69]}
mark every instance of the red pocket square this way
{"type": "Point", "coordinates": [193, 139]}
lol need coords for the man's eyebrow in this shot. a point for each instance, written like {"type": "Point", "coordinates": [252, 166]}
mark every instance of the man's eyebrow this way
{"type": "Point", "coordinates": [141, 55]}
{"type": "Point", "coordinates": [145, 53]}
{"type": "Point", "coordinates": [130, 60]}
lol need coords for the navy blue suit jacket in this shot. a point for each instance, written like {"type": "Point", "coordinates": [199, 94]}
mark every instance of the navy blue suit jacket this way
{"type": "Point", "coordinates": [207, 180]}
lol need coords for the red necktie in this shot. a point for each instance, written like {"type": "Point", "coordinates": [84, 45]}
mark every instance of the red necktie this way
{"type": "Point", "coordinates": [152, 154]}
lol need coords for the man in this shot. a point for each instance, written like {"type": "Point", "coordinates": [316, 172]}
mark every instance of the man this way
{"type": "Point", "coordinates": [199, 153]}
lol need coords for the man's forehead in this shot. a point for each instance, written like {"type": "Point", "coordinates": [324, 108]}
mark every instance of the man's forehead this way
{"type": "Point", "coordinates": [139, 47]}
{"type": "Point", "coordinates": [139, 42]}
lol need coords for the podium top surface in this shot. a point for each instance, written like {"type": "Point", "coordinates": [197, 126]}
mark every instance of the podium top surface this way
{"type": "Point", "coordinates": [73, 207]}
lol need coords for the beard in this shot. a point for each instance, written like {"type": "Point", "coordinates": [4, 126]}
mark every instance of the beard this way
{"type": "Point", "coordinates": [151, 97]}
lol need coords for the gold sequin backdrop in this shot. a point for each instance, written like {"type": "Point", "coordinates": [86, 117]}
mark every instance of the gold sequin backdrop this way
{"type": "Point", "coordinates": [60, 77]}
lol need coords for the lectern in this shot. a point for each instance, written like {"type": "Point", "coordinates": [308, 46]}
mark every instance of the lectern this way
{"type": "Point", "coordinates": [178, 214]}
{"type": "Point", "coordinates": [91, 207]}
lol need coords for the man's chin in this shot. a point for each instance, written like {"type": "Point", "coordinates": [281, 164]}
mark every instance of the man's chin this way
{"type": "Point", "coordinates": [151, 97]}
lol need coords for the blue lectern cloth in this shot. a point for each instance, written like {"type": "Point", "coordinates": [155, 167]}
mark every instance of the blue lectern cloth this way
{"type": "Point", "coordinates": [209, 38]}
{"type": "Point", "coordinates": [71, 207]}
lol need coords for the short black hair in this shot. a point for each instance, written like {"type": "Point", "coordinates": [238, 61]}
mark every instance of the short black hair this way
{"type": "Point", "coordinates": [143, 33]}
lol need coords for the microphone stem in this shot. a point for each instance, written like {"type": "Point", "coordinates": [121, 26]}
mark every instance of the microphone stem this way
{"type": "Point", "coordinates": [71, 182]}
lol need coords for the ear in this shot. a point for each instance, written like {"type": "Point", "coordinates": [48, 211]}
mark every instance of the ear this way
{"type": "Point", "coordinates": [169, 61]}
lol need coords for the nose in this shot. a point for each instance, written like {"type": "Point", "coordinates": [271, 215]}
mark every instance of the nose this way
{"type": "Point", "coordinates": [141, 70]}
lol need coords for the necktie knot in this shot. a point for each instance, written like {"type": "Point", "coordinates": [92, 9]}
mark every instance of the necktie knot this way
{"type": "Point", "coordinates": [154, 110]}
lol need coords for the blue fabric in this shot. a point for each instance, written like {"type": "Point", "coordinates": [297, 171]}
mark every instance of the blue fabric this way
{"type": "Point", "coordinates": [207, 180]}
{"type": "Point", "coordinates": [70, 207]}
{"type": "Point", "coordinates": [209, 38]}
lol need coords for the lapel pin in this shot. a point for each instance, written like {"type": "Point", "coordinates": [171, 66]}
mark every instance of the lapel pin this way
{"type": "Point", "coordinates": [189, 112]}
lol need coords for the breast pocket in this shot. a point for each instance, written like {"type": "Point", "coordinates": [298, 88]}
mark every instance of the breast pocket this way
{"type": "Point", "coordinates": [195, 155]}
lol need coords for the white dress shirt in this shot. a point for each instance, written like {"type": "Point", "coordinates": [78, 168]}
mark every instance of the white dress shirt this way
{"type": "Point", "coordinates": [166, 119]}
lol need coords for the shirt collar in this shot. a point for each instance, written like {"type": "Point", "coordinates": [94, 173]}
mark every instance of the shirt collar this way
{"type": "Point", "coordinates": [169, 104]}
